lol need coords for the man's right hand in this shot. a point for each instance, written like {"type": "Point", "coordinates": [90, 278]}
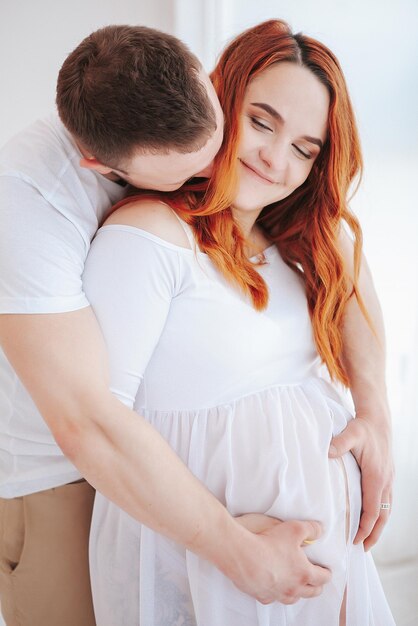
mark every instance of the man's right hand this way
{"type": "Point", "coordinates": [273, 564]}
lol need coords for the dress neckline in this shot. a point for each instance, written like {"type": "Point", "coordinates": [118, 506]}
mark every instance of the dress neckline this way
{"type": "Point", "coordinates": [267, 252]}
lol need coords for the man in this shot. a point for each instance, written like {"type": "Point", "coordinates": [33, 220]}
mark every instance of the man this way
{"type": "Point", "coordinates": [136, 107]}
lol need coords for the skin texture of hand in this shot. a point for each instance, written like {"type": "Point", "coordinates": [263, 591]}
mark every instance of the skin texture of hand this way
{"type": "Point", "coordinates": [281, 550]}
{"type": "Point", "coordinates": [257, 522]}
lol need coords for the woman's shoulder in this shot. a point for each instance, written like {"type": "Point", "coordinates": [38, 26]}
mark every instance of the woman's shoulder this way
{"type": "Point", "coordinates": [153, 216]}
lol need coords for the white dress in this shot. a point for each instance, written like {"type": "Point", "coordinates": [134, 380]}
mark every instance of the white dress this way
{"type": "Point", "coordinates": [238, 394]}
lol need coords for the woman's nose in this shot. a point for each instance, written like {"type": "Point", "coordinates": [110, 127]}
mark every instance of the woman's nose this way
{"type": "Point", "coordinates": [274, 156]}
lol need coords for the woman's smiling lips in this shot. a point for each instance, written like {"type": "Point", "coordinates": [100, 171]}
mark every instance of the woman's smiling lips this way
{"type": "Point", "coordinates": [259, 175]}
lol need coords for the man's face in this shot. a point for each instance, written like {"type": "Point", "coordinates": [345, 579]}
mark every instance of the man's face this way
{"type": "Point", "coordinates": [170, 170]}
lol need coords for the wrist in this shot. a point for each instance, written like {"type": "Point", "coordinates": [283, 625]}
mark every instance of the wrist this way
{"type": "Point", "coordinates": [372, 405]}
{"type": "Point", "coordinates": [376, 414]}
{"type": "Point", "coordinates": [227, 547]}
{"type": "Point", "coordinates": [242, 555]}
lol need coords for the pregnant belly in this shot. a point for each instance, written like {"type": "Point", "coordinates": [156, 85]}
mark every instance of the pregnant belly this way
{"type": "Point", "coordinates": [268, 453]}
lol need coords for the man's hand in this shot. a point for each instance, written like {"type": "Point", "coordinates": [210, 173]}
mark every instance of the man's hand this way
{"type": "Point", "coordinates": [369, 441]}
{"type": "Point", "coordinates": [281, 571]}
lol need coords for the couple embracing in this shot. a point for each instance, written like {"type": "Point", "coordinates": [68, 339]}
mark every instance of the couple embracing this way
{"type": "Point", "coordinates": [187, 362]}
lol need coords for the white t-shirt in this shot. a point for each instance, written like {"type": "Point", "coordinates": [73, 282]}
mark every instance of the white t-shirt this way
{"type": "Point", "coordinates": [50, 209]}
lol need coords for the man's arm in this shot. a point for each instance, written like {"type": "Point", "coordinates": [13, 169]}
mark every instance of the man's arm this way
{"type": "Point", "coordinates": [62, 361]}
{"type": "Point", "coordinates": [369, 436]}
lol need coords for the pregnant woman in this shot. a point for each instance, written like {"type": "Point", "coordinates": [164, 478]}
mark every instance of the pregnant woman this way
{"type": "Point", "coordinates": [220, 307]}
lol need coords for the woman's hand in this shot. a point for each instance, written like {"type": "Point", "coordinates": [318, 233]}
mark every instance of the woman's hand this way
{"type": "Point", "coordinates": [369, 439]}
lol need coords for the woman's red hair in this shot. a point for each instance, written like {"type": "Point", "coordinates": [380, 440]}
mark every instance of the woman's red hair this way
{"type": "Point", "coordinates": [306, 225]}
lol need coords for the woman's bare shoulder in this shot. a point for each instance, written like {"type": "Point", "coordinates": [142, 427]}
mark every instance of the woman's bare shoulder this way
{"type": "Point", "coordinates": [153, 216]}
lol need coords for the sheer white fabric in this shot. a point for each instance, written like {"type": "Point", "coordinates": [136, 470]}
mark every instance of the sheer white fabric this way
{"type": "Point", "coordinates": [237, 393]}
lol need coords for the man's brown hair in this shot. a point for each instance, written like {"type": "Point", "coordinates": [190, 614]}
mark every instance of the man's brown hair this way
{"type": "Point", "coordinates": [131, 88]}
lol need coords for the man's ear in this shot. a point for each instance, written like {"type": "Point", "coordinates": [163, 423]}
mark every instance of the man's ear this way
{"type": "Point", "coordinates": [91, 163]}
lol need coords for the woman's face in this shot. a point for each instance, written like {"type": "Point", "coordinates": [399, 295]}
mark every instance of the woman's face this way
{"type": "Point", "coordinates": [284, 125]}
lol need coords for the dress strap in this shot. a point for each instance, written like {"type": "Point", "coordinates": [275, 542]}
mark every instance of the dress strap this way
{"type": "Point", "coordinates": [188, 231]}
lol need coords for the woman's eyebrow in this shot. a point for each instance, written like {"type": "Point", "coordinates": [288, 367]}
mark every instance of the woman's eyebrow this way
{"type": "Point", "coordinates": [269, 109]}
{"type": "Point", "coordinates": [276, 115]}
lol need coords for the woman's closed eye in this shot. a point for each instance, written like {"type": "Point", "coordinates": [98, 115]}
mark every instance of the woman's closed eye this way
{"type": "Point", "coordinates": [304, 154]}
{"type": "Point", "coordinates": [260, 125]}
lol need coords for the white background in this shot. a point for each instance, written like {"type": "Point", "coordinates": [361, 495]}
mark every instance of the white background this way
{"type": "Point", "coordinates": [377, 44]}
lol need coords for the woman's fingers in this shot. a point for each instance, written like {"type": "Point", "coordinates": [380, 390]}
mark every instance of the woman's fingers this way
{"type": "Point", "coordinates": [384, 514]}
{"type": "Point", "coordinates": [371, 449]}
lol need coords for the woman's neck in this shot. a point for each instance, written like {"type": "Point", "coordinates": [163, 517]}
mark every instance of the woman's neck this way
{"type": "Point", "coordinates": [246, 220]}
{"type": "Point", "coordinates": [256, 240]}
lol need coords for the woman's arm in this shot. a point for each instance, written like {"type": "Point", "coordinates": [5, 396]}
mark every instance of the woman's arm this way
{"type": "Point", "coordinates": [368, 436]}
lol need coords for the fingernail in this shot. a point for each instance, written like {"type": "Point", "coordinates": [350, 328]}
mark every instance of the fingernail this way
{"type": "Point", "coordinates": [332, 451]}
{"type": "Point", "coordinates": [309, 541]}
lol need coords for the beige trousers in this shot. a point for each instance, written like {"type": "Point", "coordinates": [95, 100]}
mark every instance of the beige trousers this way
{"type": "Point", "coordinates": [44, 569]}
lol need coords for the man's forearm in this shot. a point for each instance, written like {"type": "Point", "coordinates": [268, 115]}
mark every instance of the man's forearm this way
{"type": "Point", "coordinates": [128, 461]}
{"type": "Point", "coordinates": [135, 467]}
{"type": "Point", "coordinates": [62, 361]}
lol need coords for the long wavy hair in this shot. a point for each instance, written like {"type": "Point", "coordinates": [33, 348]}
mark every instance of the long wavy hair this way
{"type": "Point", "coordinates": [306, 225]}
